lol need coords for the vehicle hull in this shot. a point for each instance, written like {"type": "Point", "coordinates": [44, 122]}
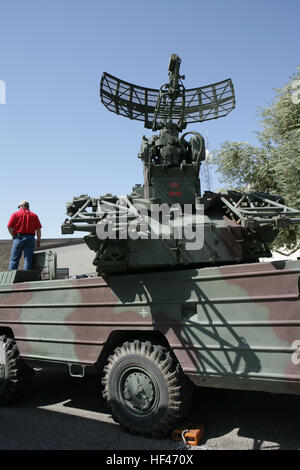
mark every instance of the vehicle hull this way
{"type": "Point", "coordinates": [231, 327]}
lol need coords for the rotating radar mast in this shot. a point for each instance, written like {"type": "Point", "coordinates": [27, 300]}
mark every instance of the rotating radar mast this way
{"type": "Point", "coordinates": [169, 110]}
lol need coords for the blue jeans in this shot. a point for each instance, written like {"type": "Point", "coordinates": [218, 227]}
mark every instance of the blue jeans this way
{"type": "Point", "coordinates": [24, 243]}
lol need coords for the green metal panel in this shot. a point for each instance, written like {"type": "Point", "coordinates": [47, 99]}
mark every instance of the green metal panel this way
{"type": "Point", "coordinates": [232, 326]}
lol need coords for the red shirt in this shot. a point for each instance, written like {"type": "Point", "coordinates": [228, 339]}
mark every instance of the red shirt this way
{"type": "Point", "coordinates": [24, 221]}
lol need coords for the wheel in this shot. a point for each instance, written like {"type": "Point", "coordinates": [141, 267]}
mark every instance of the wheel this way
{"type": "Point", "coordinates": [14, 373]}
{"type": "Point", "coordinates": [145, 388]}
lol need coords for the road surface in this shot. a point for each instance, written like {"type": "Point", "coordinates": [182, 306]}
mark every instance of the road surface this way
{"type": "Point", "coordinates": [60, 412]}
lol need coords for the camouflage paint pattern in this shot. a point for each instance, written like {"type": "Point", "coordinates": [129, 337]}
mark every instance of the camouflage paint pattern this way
{"type": "Point", "coordinates": [230, 327]}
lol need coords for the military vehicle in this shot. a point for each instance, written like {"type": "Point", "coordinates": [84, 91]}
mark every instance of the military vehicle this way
{"type": "Point", "coordinates": [180, 297]}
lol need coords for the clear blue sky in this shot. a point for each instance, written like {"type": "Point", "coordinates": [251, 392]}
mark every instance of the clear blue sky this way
{"type": "Point", "coordinates": [56, 138]}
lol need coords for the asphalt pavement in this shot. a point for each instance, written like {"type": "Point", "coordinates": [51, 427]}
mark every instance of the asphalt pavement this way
{"type": "Point", "coordinates": [60, 412]}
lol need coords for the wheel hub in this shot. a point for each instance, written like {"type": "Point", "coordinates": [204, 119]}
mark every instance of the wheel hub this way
{"type": "Point", "coordinates": [138, 390]}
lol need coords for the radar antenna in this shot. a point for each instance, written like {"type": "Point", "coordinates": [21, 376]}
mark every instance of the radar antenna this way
{"type": "Point", "coordinates": [171, 104]}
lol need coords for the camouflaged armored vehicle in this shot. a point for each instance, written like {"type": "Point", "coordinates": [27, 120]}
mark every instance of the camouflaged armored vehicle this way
{"type": "Point", "coordinates": [180, 298]}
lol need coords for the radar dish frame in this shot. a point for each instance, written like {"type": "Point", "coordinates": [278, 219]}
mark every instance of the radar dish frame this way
{"type": "Point", "coordinates": [145, 104]}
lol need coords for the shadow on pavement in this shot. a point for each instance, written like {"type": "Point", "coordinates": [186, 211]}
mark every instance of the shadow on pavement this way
{"type": "Point", "coordinates": [60, 412]}
{"type": "Point", "coordinates": [261, 420]}
{"type": "Point", "coordinates": [258, 416]}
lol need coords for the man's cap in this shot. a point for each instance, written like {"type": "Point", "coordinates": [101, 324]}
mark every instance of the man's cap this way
{"type": "Point", "coordinates": [23, 203]}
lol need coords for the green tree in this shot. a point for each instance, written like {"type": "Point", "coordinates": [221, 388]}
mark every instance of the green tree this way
{"type": "Point", "coordinates": [274, 165]}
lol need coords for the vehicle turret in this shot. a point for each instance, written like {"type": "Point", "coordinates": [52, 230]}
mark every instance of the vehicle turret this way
{"type": "Point", "coordinates": [168, 223]}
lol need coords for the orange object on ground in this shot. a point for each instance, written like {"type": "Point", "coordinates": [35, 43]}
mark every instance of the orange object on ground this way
{"type": "Point", "coordinates": [191, 436]}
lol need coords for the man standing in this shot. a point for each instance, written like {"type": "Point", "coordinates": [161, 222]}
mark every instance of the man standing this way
{"type": "Point", "coordinates": [22, 226]}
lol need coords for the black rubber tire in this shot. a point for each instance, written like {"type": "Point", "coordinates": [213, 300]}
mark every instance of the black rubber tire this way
{"type": "Point", "coordinates": [15, 374]}
{"type": "Point", "coordinates": [145, 389]}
